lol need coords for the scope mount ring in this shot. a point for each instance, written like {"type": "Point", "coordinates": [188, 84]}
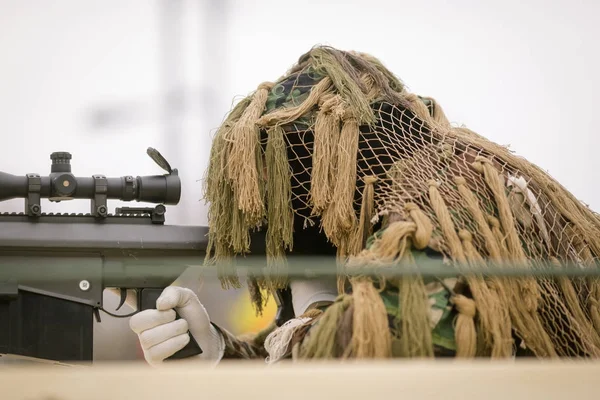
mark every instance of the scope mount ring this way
{"type": "Point", "coordinates": [99, 207]}
{"type": "Point", "coordinates": [33, 201]}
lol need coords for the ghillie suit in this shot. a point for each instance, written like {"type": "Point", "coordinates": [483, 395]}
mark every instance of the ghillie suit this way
{"type": "Point", "coordinates": [339, 144]}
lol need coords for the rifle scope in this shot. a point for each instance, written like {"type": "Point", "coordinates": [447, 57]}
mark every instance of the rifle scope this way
{"type": "Point", "coordinates": [62, 185]}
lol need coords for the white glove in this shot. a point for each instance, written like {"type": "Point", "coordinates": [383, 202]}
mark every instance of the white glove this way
{"type": "Point", "coordinates": [310, 292]}
{"type": "Point", "coordinates": [161, 336]}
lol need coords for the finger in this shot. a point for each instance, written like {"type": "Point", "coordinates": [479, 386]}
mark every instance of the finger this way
{"type": "Point", "coordinates": [174, 297]}
{"type": "Point", "coordinates": [149, 319]}
{"type": "Point", "coordinates": [162, 333]}
{"type": "Point", "coordinates": [167, 348]}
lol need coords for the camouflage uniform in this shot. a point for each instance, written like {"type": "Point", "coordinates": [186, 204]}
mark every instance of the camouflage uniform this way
{"type": "Point", "coordinates": [442, 315]}
{"type": "Point", "coordinates": [290, 93]}
{"type": "Point", "coordinates": [244, 348]}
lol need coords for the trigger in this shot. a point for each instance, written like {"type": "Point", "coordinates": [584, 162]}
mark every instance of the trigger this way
{"type": "Point", "coordinates": [123, 298]}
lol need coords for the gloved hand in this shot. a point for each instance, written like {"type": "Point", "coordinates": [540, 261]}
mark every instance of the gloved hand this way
{"type": "Point", "coordinates": [161, 336]}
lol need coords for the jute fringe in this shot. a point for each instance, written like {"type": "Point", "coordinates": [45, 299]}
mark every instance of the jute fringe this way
{"type": "Point", "coordinates": [423, 226]}
{"type": "Point", "coordinates": [523, 294]}
{"type": "Point", "coordinates": [584, 324]}
{"type": "Point", "coordinates": [339, 219]}
{"type": "Point", "coordinates": [346, 82]}
{"type": "Point", "coordinates": [279, 206]}
{"type": "Point", "coordinates": [394, 245]}
{"type": "Point", "coordinates": [364, 228]}
{"type": "Point", "coordinates": [325, 152]}
{"type": "Point", "coordinates": [321, 343]}
{"type": "Point", "coordinates": [472, 205]}
{"type": "Point", "coordinates": [278, 342]}
{"type": "Point", "coordinates": [500, 237]}
{"type": "Point", "coordinates": [416, 339]}
{"type": "Point", "coordinates": [446, 225]}
{"type": "Point", "coordinates": [593, 296]}
{"type": "Point", "coordinates": [227, 231]}
{"type": "Point", "coordinates": [494, 320]}
{"type": "Point", "coordinates": [437, 113]}
{"type": "Point", "coordinates": [371, 336]}
{"type": "Point", "coordinates": [493, 181]}
{"type": "Point", "coordinates": [585, 220]}
{"type": "Point", "coordinates": [418, 107]}
{"type": "Point", "coordinates": [594, 305]}
{"type": "Point", "coordinates": [466, 335]}
{"type": "Point", "coordinates": [243, 171]}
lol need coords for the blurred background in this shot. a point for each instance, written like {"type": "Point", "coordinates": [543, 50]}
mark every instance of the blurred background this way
{"type": "Point", "coordinates": [105, 79]}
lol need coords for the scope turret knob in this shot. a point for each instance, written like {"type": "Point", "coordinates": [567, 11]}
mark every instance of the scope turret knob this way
{"type": "Point", "coordinates": [63, 186]}
{"type": "Point", "coordinates": [61, 161]}
{"type": "Point", "coordinates": [61, 155]}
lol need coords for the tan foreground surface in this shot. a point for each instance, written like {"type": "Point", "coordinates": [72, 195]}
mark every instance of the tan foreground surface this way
{"type": "Point", "coordinates": [365, 381]}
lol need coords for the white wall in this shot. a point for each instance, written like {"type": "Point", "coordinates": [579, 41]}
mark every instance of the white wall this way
{"type": "Point", "coordinates": [66, 61]}
{"type": "Point", "coordinates": [519, 73]}
{"type": "Point", "coordinates": [63, 61]}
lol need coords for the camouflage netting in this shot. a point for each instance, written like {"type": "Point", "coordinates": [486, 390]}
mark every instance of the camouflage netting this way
{"type": "Point", "coordinates": [339, 142]}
